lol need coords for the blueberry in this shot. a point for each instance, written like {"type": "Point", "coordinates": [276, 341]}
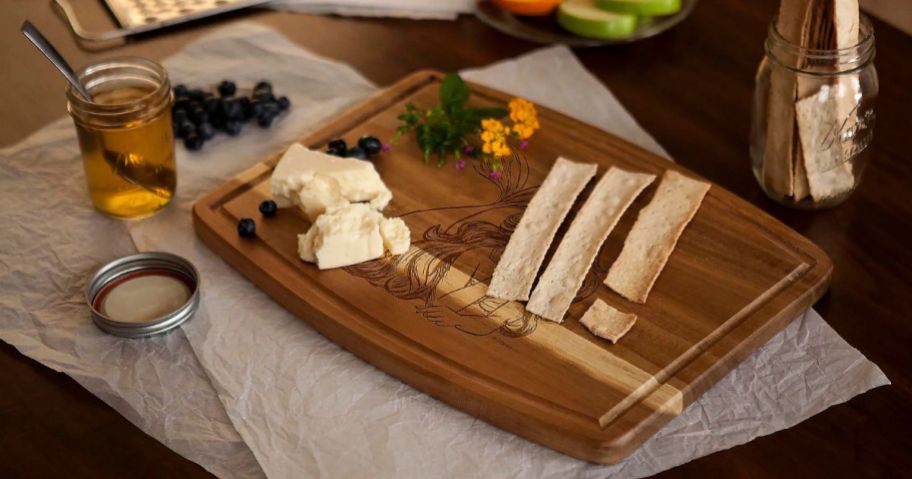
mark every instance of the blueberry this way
{"type": "Point", "coordinates": [227, 88]}
{"type": "Point", "coordinates": [284, 103]}
{"type": "Point", "coordinates": [268, 208]}
{"type": "Point", "coordinates": [263, 86]}
{"type": "Point", "coordinates": [206, 131]}
{"type": "Point", "coordinates": [246, 228]}
{"type": "Point", "coordinates": [356, 152]}
{"type": "Point", "coordinates": [245, 105]}
{"type": "Point", "coordinates": [211, 105]}
{"type": "Point", "coordinates": [370, 144]}
{"type": "Point", "coordinates": [337, 147]}
{"type": "Point", "coordinates": [232, 127]}
{"type": "Point", "coordinates": [186, 129]}
{"type": "Point", "coordinates": [181, 102]}
{"type": "Point", "coordinates": [264, 120]}
{"type": "Point", "coordinates": [217, 121]}
{"type": "Point", "coordinates": [254, 109]}
{"type": "Point", "coordinates": [199, 115]}
{"type": "Point", "coordinates": [178, 115]}
{"type": "Point", "coordinates": [193, 142]}
{"type": "Point", "coordinates": [264, 96]}
{"type": "Point", "coordinates": [181, 90]}
{"type": "Point", "coordinates": [271, 107]}
{"type": "Point", "coordinates": [197, 95]}
{"type": "Point", "coordinates": [232, 109]}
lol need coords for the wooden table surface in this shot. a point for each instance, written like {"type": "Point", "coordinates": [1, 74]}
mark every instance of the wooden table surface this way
{"type": "Point", "coordinates": [690, 87]}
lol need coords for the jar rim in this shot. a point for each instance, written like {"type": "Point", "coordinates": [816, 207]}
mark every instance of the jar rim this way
{"type": "Point", "coordinates": [853, 56]}
{"type": "Point", "coordinates": [162, 90]}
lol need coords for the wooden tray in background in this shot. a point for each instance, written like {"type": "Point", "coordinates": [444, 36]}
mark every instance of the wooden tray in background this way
{"type": "Point", "coordinates": [736, 278]}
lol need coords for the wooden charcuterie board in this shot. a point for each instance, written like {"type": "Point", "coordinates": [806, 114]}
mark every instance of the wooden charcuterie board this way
{"type": "Point", "coordinates": [736, 278]}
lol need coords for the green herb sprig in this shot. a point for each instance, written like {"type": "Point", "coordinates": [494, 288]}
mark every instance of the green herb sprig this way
{"type": "Point", "coordinates": [444, 129]}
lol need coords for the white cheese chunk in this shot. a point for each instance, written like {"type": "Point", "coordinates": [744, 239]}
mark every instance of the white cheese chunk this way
{"type": "Point", "coordinates": [316, 181]}
{"type": "Point", "coordinates": [396, 235]}
{"type": "Point", "coordinates": [306, 245]}
{"type": "Point", "coordinates": [343, 237]}
{"type": "Point", "coordinates": [319, 194]}
{"type": "Point", "coordinates": [352, 234]}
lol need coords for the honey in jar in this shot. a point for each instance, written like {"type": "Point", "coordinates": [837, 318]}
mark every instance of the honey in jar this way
{"type": "Point", "coordinates": [125, 136]}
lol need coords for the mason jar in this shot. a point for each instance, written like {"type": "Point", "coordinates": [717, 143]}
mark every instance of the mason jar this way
{"type": "Point", "coordinates": [125, 136]}
{"type": "Point", "coordinates": [813, 119]}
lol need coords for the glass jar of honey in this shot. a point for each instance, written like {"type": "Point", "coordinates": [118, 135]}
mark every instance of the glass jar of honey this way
{"type": "Point", "coordinates": [125, 136]}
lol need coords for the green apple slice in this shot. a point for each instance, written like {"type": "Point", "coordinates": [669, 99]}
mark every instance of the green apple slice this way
{"type": "Point", "coordinates": [640, 7]}
{"type": "Point", "coordinates": [583, 18]}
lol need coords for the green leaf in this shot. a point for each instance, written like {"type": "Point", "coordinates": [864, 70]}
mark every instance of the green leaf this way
{"type": "Point", "coordinates": [487, 112]}
{"type": "Point", "coordinates": [443, 129]}
{"type": "Point", "coordinates": [454, 93]}
{"type": "Point", "coordinates": [474, 116]}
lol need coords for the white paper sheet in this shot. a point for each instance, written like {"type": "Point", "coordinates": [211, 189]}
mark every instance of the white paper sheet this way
{"type": "Point", "coordinates": [51, 243]}
{"type": "Point", "coordinates": [304, 406]}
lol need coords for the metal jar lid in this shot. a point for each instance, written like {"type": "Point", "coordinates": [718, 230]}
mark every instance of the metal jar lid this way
{"type": "Point", "coordinates": [164, 266]}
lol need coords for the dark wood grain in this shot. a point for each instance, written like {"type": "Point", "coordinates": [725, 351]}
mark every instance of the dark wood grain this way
{"type": "Point", "coordinates": [690, 87]}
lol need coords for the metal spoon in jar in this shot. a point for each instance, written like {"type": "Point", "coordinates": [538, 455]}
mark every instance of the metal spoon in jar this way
{"type": "Point", "coordinates": [54, 56]}
{"type": "Point", "coordinates": [130, 167]}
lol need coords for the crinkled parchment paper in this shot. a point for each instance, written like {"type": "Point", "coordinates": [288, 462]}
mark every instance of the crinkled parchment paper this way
{"type": "Point", "coordinates": [52, 241]}
{"type": "Point", "coordinates": [304, 406]}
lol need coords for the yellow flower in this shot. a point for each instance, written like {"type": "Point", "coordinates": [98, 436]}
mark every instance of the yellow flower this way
{"type": "Point", "coordinates": [492, 125]}
{"type": "Point", "coordinates": [524, 117]}
{"type": "Point", "coordinates": [494, 137]}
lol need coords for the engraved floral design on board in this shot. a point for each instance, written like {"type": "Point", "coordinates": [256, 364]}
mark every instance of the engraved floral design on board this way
{"type": "Point", "coordinates": [442, 270]}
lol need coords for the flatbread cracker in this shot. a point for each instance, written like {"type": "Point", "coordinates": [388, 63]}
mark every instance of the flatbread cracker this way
{"type": "Point", "coordinates": [777, 169]}
{"type": "Point", "coordinates": [606, 322]}
{"type": "Point", "coordinates": [654, 235]}
{"type": "Point", "coordinates": [574, 256]}
{"type": "Point", "coordinates": [525, 252]}
{"type": "Point", "coordinates": [800, 180]}
{"type": "Point", "coordinates": [826, 108]}
{"type": "Point", "coordinates": [820, 125]}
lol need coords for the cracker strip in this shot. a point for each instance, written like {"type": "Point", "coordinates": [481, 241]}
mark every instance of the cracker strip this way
{"type": "Point", "coordinates": [777, 169]}
{"type": "Point", "coordinates": [521, 259]}
{"type": "Point", "coordinates": [606, 322]}
{"type": "Point", "coordinates": [654, 235]}
{"type": "Point", "coordinates": [820, 124]}
{"type": "Point", "coordinates": [568, 267]}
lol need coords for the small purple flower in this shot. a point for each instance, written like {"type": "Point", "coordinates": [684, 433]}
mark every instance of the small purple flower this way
{"type": "Point", "coordinates": [386, 148]}
{"type": "Point", "coordinates": [494, 175]}
{"type": "Point", "coordinates": [468, 149]}
{"type": "Point", "coordinates": [460, 164]}
{"type": "Point", "coordinates": [523, 145]}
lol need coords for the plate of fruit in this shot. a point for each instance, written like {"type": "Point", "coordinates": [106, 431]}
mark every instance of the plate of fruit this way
{"type": "Point", "coordinates": [584, 23]}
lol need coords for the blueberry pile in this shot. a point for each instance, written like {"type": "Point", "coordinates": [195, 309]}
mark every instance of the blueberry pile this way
{"type": "Point", "coordinates": [197, 115]}
{"type": "Point", "coordinates": [367, 147]}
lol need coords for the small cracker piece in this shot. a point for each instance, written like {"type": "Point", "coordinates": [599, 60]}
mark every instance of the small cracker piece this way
{"type": "Point", "coordinates": [518, 265]}
{"type": "Point", "coordinates": [654, 235]}
{"type": "Point", "coordinates": [567, 270]}
{"type": "Point", "coordinates": [606, 322]}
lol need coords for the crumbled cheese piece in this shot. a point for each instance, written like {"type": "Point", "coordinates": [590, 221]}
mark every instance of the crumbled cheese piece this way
{"type": "Point", "coordinates": [316, 181]}
{"type": "Point", "coordinates": [396, 235]}
{"type": "Point", "coordinates": [352, 234]}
